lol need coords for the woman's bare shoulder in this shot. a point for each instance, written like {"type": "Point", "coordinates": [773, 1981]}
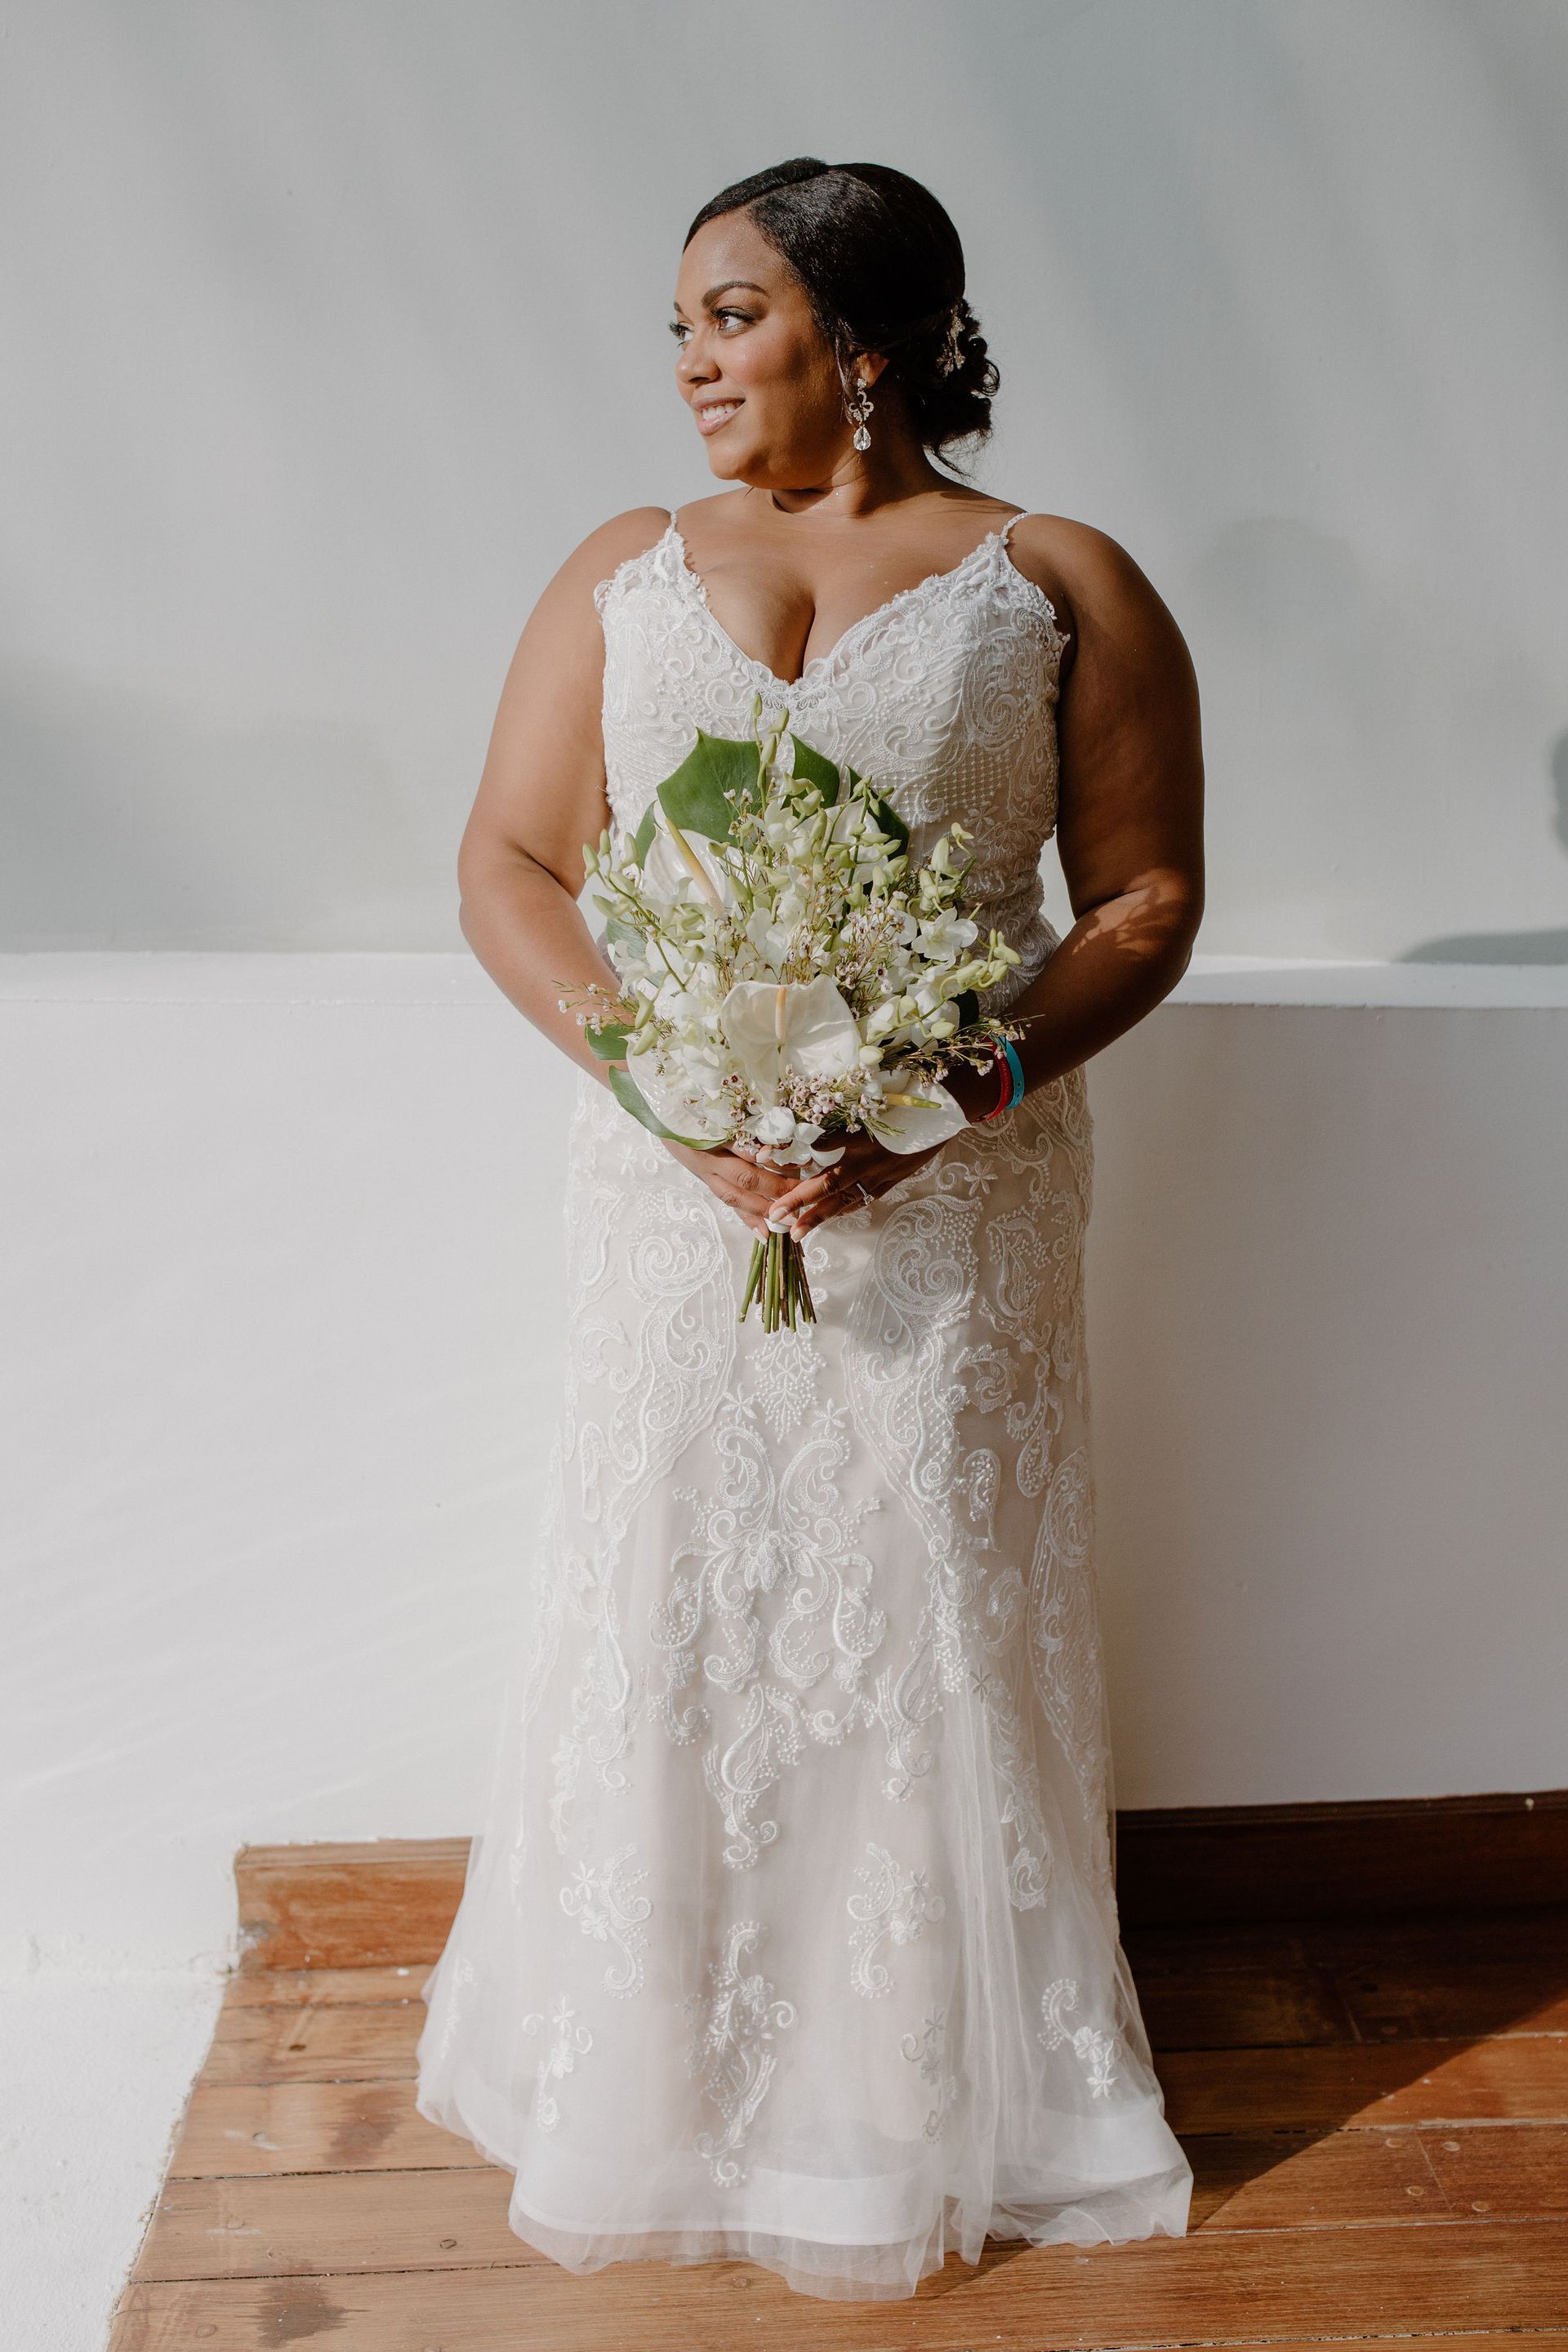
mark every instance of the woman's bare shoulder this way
{"type": "Point", "coordinates": [1083, 571]}
{"type": "Point", "coordinates": [615, 543]}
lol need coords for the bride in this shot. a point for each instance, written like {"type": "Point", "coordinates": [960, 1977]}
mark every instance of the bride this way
{"type": "Point", "coordinates": [790, 1934]}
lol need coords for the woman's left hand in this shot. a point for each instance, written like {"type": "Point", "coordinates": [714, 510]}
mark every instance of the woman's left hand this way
{"type": "Point", "coordinates": [868, 1168]}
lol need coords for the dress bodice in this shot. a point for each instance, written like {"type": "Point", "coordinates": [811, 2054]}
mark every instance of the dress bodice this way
{"type": "Point", "coordinates": [944, 697]}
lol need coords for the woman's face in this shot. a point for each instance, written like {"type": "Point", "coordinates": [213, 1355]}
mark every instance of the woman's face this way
{"type": "Point", "coordinates": [752, 362]}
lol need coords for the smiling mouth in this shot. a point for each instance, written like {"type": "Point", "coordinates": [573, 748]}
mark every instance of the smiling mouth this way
{"type": "Point", "coordinates": [714, 413]}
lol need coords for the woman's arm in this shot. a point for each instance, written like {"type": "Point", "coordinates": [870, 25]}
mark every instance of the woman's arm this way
{"type": "Point", "coordinates": [1130, 822]}
{"type": "Point", "coordinates": [541, 796]}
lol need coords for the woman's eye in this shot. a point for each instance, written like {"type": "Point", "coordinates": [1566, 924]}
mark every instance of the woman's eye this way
{"type": "Point", "coordinates": [680, 330]}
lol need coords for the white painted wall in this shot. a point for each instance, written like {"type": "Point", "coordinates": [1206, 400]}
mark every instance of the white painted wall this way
{"type": "Point", "coordinates": [327, 327]}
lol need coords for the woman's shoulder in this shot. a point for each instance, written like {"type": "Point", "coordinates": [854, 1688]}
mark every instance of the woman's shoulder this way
{"type": "Point", "coordinates": [617, 542]}
{"type": "Point", "coordinates": [1078, 567]}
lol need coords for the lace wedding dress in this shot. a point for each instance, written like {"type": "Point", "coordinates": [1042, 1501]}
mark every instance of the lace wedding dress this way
{"type": "Point", "coordinates": [790, 1932]}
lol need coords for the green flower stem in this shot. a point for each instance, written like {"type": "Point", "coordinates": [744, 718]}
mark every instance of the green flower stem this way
{"type": "Point", "coordinates": [753, 1276]}
{"type": "Point", "coordinates": [776, 1280]}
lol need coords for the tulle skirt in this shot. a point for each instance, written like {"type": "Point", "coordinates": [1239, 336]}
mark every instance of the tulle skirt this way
{"type": "Point", "coordinates": [789, 1935]}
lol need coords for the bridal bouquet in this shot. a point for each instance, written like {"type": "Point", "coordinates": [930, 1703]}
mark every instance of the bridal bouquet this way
{"type": "Point", "coordinates": [787, 976]}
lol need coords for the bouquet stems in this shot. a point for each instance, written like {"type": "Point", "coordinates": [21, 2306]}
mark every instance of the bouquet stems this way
{"type": "Point", "coordinates": [776, 1278]}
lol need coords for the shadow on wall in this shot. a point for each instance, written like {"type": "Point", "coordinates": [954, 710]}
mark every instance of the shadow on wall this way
{"type": "Point", "coordinates": [1510, 946]}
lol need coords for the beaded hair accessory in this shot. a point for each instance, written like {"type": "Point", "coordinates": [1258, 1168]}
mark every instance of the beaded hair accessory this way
{"type": "Point", "coordinates": [951, 355]}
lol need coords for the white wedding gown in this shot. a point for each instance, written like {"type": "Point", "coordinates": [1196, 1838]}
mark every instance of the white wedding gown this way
{"type": "Point", "coordinates": [790, 1934]}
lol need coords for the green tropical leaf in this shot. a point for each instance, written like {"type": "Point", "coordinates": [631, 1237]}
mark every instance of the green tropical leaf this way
{"type": "Point", "coordinates": [627, 1095]}
{"type": "Point", "coordinates": [607, 1039]}
{"type": "Point", "coordinates": [694, 796]}
{"type": "Point", "coordinates": [888, 820]}
{"type": "Point", "coordinates": [811, 765]}
{"type": "Point", "coordinates": [642, 839]}
{"type": "Point", "coordinates": [620, 933]}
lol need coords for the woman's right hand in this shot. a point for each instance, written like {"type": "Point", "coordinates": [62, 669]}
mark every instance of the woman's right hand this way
{"type": "Point", "coordinates": [742, 1183]}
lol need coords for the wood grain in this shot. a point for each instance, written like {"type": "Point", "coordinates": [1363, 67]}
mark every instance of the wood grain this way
{"type": "Point", "coordinates": [1376, 2108]}
{"type": "Point", "coordinates": [343, 1906]}
{"type": "Point", "coordinates": [338, 1906]}
{"type": "Point", "coordinates": [299, 2225]}
{"type": "Point", "coordinates": [336, 2042]}
{"type": "Point", "coordinates": [1373, 1859]}
{"type": "Point", "coordinates": [324, 1988]}
{"type": "Point", "coordinates": [1215, 2288]}
{"type": "Point", "coordinates": [1523, 2080]}
{"type": "Point", "coordinates": [308, 2127]}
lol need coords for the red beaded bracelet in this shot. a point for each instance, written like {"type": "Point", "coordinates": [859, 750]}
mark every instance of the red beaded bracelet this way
{"type": "Point", "coordinates": [1004, 1071]}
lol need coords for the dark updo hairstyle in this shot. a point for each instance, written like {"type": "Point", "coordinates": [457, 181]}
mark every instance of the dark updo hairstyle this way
{"type": "Point", "coordinates": [883, 270]}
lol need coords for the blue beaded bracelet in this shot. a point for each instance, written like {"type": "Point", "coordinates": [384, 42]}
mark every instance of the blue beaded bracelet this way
{"type": "Point", "coordinates": [1002, 1048]}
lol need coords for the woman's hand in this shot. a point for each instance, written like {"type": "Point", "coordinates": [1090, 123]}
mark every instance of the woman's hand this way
{"type": "Point", "coordinates": [868, 1168]}
{"type": "Point", "coordinates": [740, 1181]}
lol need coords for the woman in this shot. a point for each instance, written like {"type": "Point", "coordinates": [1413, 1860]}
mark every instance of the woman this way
{"type": "Point", "coordinates": [791, 1933]}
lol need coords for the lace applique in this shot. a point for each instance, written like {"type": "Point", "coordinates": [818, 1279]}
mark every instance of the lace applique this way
{"type": "Point", "coordinates": [1094, 2047]}
{"type": "Point", "coordinates": [1065, 1650]}
{"type": "Point", "coordinates": [893, 1904]}
{"type": "Point", "coordinates": [783, 1380]}
{"type": "Point", "coordinates": [927, 2050]}
{"type": "Point", "coordinates": [640, 1387]}
{"type": "Point", "coordinates": [607, 1905]}
{"type": "Point", "coordinates": [772, 1577]}
{"type": "Point", "coordinates": [568, 2041]}
{"type": "Point", "coordinates": [732, 2053]}
{"type": "Point", "coordinates": [908, 1401]}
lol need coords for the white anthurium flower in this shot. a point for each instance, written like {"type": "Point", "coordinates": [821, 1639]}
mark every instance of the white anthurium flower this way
{"type": "Point", "coordinates": [910, 1122]}
{"type": "Point", "coordinates": [674, 870]}
{"type": "Point", "coordinates": [804, 1026]}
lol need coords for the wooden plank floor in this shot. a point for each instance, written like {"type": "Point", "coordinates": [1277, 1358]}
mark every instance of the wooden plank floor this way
{"type": "Point", "coordinates": [1376, 2114]}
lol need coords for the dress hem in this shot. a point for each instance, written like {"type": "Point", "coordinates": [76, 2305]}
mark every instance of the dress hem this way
{"type": "Point", "coordinates": [1069, 2219]}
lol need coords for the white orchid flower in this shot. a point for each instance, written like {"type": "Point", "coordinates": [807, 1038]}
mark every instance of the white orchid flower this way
{"type": "Point", "coordinates": [792, 1141]}
{"type": "Point", "coordinates": [800, 1026]}
{"type": "Point", "coordinates": [944, 935]}
{"type": "Point", "coordinates": [772, 937]}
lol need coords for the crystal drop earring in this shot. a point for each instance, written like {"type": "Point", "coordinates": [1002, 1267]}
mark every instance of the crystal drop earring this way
{"type": "Point", "coordinates": [858, 411]}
